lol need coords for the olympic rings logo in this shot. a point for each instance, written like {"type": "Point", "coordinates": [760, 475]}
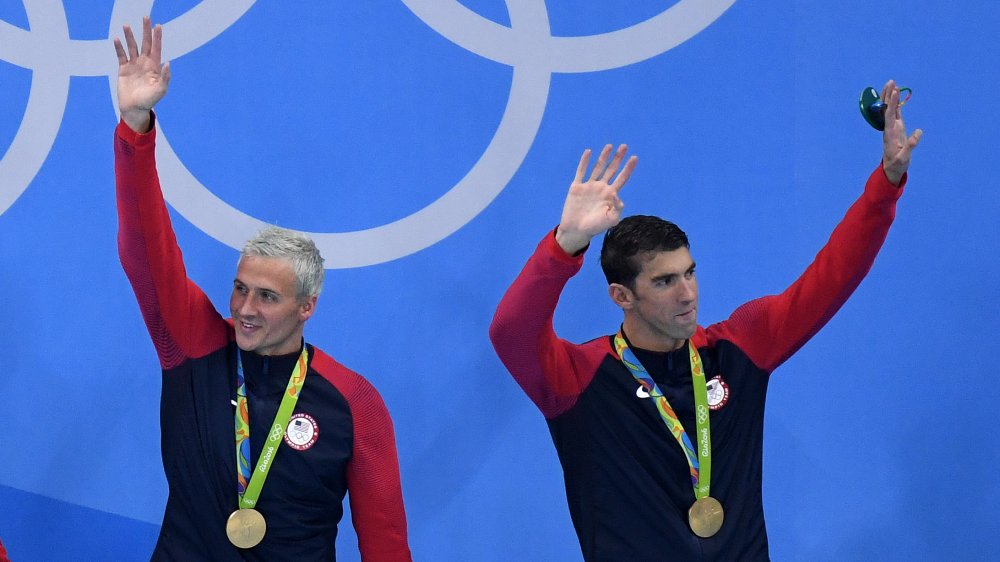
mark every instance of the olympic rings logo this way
{"type": "Point", "coordinates": [276, 432]}
{"type": "Point", "coordinates": [527, 46]}
{"type": "Point", "coordinates": [702, 414]}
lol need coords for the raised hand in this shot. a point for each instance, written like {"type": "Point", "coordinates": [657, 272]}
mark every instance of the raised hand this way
{"type": "Point", "coordinates": [593, 206]}
{"type": "Point", "coordinates": [142, 81]}
{"type": "Point", "coordinates": [896, 146]}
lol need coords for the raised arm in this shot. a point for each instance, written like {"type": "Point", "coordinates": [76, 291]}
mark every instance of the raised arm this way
{"type": "Point", "coordinates": [180, 318]}
{"type": "Point", "coordinates": [772, 328]}
{"type": "Point", "coordinates": [551, 371]}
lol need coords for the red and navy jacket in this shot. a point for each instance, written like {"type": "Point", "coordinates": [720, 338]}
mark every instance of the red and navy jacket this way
{"type": "Point", "coordinates": [627, 480]}
{"type": "Point", "coordinates": [354, 449]}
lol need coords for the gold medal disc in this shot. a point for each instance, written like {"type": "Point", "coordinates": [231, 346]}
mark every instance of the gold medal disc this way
{"type": "Point", "coordinates": [245, 528]}
{"type": "Point", "coordinates": [705, 517]}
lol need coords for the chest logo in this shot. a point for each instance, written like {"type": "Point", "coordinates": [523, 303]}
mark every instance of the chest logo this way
{"type": "Point", "coordinates": [718, 393]}
{"type": "Point", "coordinates": [302, 432]}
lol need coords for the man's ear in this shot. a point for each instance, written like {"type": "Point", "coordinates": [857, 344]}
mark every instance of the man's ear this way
{"type": "Point", "coordinates": [621, 295]}
{"type": "Point", "coordinates": [306, 307]}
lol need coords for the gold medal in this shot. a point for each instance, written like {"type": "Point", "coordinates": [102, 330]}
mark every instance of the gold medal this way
{"type": "Point", "coordinates": [245, 528]}
{"type": "Point", "coordinates": [705, 517]}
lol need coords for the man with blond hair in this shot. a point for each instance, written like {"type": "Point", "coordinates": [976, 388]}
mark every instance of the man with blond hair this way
{"type": "Point", "coordinates": [262, 434]}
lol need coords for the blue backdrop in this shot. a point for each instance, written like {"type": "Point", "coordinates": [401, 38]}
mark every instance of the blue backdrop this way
{"type": "Point", "coordinates": [429, 144]}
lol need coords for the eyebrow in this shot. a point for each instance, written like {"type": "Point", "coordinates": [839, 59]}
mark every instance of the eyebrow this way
{"type": "Point", "coordinates": [237, 281]}
{"type": "Point", "coordinates": [670, 276]}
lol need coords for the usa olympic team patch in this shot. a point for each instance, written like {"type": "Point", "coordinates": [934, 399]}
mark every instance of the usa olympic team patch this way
{"type": "Point", "coordinates": [302, 432]}
{"type": "Point", "coordinates": [718, 393]}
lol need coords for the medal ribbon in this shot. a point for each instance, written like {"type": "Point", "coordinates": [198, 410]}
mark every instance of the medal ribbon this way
{"type": "Point", "coordinates": [700, 463]}
{"type": "Point", "coordinates": [248, 493]}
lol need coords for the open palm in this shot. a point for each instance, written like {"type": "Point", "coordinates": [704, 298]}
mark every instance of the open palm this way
{"type": "Point", "coordinates": [896, 146]}
{"type": "Point", "coordinates": [142, 80]}
{"type": "Point", "coordinates": [592, 205]}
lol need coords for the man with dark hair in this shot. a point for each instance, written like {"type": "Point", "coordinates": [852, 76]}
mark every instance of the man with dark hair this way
{"type": "Point", "coordinates": [262, 434]}
{"type": "Point", "coordinates": [635, 238]}
{"type": "Point", "coordinates": [638, 417]}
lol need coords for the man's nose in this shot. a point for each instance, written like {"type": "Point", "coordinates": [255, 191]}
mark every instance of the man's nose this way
{"type": "Point", "coordinates": [689, 290]}
{"type": "Point", "coordinates": [248, 306]}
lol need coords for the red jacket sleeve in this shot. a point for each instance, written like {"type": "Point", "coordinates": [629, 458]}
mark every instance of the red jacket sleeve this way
{"type": "Point", "coordinates": [770, 329]}
{"type": "Point", "coordinates": [181, 320]}
{"type": "Point", "coordinates": [373, 483]}
{"type": "Point", "coordinates": [550, 370]}
{"type": "Point", "coordinates": [3, 554]}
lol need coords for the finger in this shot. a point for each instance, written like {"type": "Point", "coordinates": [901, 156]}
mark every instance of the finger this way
{"type": "Point", "coordinates": [886, 89]}
{"type": "Point", "coordinates": [120, 51]}
{"type": "Point", "coordinates": [581, 168]}
{"type": "Point", "coordinates": [147, 35]}
{"type": "Point", "coordinates": [626, 173]}
{"type": "Point", "coordinates": [165, 74]}
{"type": "Point", "coordinates": [914, 139]}
{"type": "Point", "coordinates": [133, 51]}
{"type": "Point", "coordinates": [892, 129]}
{"type": "Point", "coordinates": [156, 49]}
{"type": "Point", "coordinates": [616, 163]}
{"type": "Point", "coordinates": [602, 161]}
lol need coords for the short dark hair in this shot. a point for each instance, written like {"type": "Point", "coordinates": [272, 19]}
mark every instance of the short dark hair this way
{"type": "Point", "coordinates": [629, 244]}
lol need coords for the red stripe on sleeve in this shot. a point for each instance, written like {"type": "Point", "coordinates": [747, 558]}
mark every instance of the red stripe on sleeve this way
{"type": "Point", "coordinates": [770, 329]}
{"type": "Point", "coordinates": [181, 320]}
{"type": "Point", "coordinates": [373, 484]}
{"type": "Point", "coordinates": [550, 370]}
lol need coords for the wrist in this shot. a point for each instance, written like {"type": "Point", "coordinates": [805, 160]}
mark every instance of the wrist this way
{"type": "Point", "coordinates": [570, 241]}
{"type": "Point", "coordinates": [139, 120]}
{"type": "Point", "coordinates": [893, 174]}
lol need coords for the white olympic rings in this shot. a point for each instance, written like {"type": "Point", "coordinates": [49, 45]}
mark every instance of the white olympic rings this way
{"type": "Point", "coordinates": [527, 46]}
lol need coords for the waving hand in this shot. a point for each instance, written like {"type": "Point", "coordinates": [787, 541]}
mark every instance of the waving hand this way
{"type": "Point", "coordinates": [592, 205]}
{"type": "Point", "coordinates": [142, 81]}
{"type": "Point", "coordinates": [896, 146]}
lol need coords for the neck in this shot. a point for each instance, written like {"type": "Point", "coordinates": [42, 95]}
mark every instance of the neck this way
{"type": "Point", "coordinates": [650, 341]}
{"type": "Point", "coordinates": [274, 354]}
{"type": "Point", "coordinates": [268, 362]}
